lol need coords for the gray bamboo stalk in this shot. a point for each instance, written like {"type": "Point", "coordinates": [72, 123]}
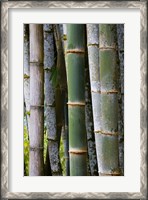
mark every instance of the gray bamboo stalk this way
{"type": "Point", "coordinates": [107, 136]}
{"type": "Point", "coordinates": [92, 157]}
{"type": "Point", "coordinates": [94, 71]}
{"type": "Point", "coordinates": [120, 36]}
{"type": "Point", "coordinates": [36, 100]}
{"type": "Point", "coordinates": [50, 110]}
{"type": "Point", "coordinates": [27, 75]}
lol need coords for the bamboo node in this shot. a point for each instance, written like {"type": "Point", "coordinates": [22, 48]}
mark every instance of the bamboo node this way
{"type": "Point", "coordinates": [76, 103]}
{"type": "Point", "coordinates": [47, 69]}
{"type": "Point", "coordinates": [92, 45]}
{"type": "Point", "coordinates": [77, 51]}
{"type": "Point", "coordinates": [96, 91]}
{"type": "Point", "coordinates": [48, 31]}
{"type": "Point", "coordinates": [36, 106]}
{"type": "Point", "coordinates": [52, 139]}
{"type": "Point", "coordinates": [110, 92]}
{"type": "Point", "coordinates": [108, 48]}
{"type": "Point", "coordinates": [50, 105]}
{"type": "Point", "coordinates": [107, 133]}
{"type": "Point", "coordinates": [36, 64]}
{"type": "Point", "coordinates": [76, 151]}
{"type": "Point", "coordinates": [36, 148]}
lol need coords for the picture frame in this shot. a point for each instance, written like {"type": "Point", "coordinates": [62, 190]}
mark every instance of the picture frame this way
{"type": "Point", "coordinates": [5, 124]}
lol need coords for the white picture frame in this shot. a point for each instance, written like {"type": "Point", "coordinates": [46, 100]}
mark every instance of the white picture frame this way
{"type": "Point", "coordinates": [7, 111]}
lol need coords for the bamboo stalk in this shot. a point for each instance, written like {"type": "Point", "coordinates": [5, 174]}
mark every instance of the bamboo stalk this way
{"type": "Point", "coordinates": [36, 100]}
{"type": "Point", "coordinates": [120, 34]}
{"type": "Point", "coordinates": [94, 71]}
{"type": "Point", "coordinates": [75, 54]}
{"type": "Point", "coordinates": [50, 109]}
{"type": "Point", "coordinates": [65, 136]}
{"type": "Point", "coordinates": [61, 88]}
{"type": "Point", "coordinates": [92, 157]}
{"type": "Point", "coordinates": [47, 164]}
{"type": "Point", "coordinates": [27, 75]}
{"type": "Point", "coordinates": [107, 136]}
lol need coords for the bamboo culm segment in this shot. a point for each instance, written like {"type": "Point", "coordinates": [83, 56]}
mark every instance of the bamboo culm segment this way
{"type": "Point", "coordinates": [36, 101]}
{"type": "Point", "coordinates": [108, 143]}
{"type": "Point", "coordinates": [27, 75]}
{"type": "Point", "coordinates": [65, 135]}
{"type": "Point", "coordinates": [75, 61]}
{"type": "Point", "coordinates": [120, 34]}
{"type": "Point", "coordinates": [50, 110]}
{"type": "Point", "coordinates": [94, 72]}
{"type": "Point", "coordinates": [92, 157]}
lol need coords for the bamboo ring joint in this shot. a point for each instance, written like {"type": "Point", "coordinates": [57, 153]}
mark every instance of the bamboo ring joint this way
{"type": "Point", "coordinates": [36, 64]}
{"type": "Point", "coordinates": [106, 133]}
{"type": "Point", "coordinates": [76, 151]}
{"type": "Point", "coordinates": [77, 51]}
{"type": "Point", "coordinates": [36, 148]}
{"type": "Point", "coordinates": [36, 106]}
{"type": "Point", "coordinates": [76, 103]}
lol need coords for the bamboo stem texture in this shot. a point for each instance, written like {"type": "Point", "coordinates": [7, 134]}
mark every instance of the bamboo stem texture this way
{"type": "Point", "coordinates": [36, 100]}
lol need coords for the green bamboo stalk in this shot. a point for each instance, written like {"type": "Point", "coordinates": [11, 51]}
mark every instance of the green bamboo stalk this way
{"type": "Point", "coordinates": [36, 100]}
{"type": "Point", "coordinates": [75, 54]}
{"type": "Point", "coordinates": [50, 108]}
{"type": "Point", "coordinates": [94, 71]}
{"type": "Point", "coordinates": [107, 136]}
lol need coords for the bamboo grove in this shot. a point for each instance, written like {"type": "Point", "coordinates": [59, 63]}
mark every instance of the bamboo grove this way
{"type": "Point", "coordinates": [73, 100]}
